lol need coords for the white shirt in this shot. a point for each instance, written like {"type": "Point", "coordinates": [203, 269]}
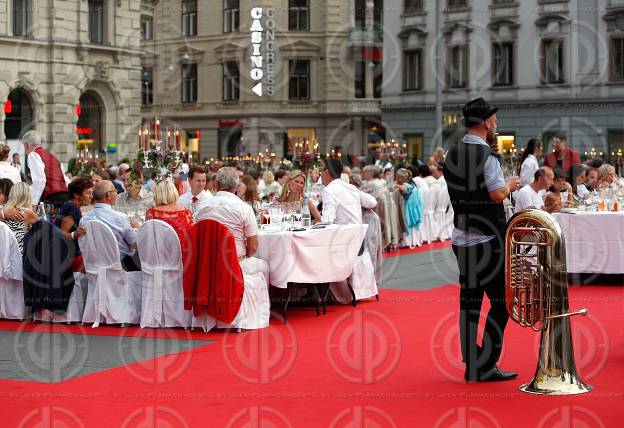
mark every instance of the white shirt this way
{"type": "Point", "coordinates": [38, 177]}
{"type": "Point", "coordinates": [420, 182]}
{"type": "Point", "coordinates": [9, 171]}
{"type": "Point", "coordinates": [186, 200]}
{"type": "Point", "coordinates": [527, 170]}
{"type": "Point", "coordinates": [441, 181]}
{"type": "Point", "coordinates": [431, 181]}
{"type": "Point", "coordinates": [343, 203]}
{"type": "Point", "coordinates": [581, 191]}
{"type": "Point", "coordinates": [527, 197]}
{"type": "Point", "coordinates": [236, 215]}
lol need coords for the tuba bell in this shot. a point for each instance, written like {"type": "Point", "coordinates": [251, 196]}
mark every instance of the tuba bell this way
{"type": "Point", "coordinates": [536, 288]}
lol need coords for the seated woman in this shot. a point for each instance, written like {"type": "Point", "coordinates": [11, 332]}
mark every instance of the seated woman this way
{"type": "Point", "coordinates": [293, 192]}
{"type": "Point", "coordinates": [168, 210]}
{"type": "Point", "coordinates": [251, 189]}
{"type": "Point", "coordinates": [20, 200]}
{"type": "Point", "coordinates": [135, 197]}
{"type": "Point", "coordinates": [69, 215]}
{"type": "Point", "coordinates": [607, 177]}
{"type": "Point", "coordinates": [554, 199]}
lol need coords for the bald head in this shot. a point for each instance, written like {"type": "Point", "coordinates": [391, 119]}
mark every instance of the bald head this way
{"type": "Point", "coordinates": [104, 191]}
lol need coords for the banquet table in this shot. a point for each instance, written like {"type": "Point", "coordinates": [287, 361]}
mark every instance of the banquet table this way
{"type": "Point", "coordinates": [310, 256]}
{"type": "Point", "coordinates": [594, 241]}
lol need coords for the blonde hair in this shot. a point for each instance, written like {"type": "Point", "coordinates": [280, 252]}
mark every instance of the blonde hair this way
{"type": "Point", "coordinates": [268, 177]}
{"type": "Point", "coordinates": [4, 151]}
{"type": "Point", "coordinates": [165, 193]}
{"type": "Point", "coordinates": [604, 170]}
{"type": "Point", "coordinates": [19, 197]}
{"type": "Point", "coordinates": [291, 176]}
{"type": "Point", "coordinates": [404, 174]}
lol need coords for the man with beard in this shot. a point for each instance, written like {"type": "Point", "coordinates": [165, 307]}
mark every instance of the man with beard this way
{"type": "Point", "coordinates": [477, 189]}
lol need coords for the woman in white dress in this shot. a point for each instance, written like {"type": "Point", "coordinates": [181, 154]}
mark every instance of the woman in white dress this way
{"type": "Point", "coordinates": [529, 163]}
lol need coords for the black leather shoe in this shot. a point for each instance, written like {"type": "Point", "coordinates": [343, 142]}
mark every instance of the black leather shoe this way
{"type": "Point", "coordinates": [493, 375]}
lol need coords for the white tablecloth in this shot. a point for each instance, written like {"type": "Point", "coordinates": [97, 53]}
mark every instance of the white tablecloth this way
{"type": "Point", "coordinates": [594, 241]}
{"type": "Point", "coordinates": [313, 256]}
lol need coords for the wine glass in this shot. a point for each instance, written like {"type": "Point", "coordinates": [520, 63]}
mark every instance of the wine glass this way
{"type": "Point", "coordinates": [266, 212]}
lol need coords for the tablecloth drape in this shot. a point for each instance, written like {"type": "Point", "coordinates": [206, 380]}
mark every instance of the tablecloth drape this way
{"type": "Point", "coordinates": [313, 256]}
{"type": "Point", "coordinates": [594, 241]}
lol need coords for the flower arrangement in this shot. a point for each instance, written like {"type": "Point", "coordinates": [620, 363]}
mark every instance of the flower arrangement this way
{"type": "Point", "coordinates": [160, 163]}
{"type": "Point", "coordinates": [306, 161]}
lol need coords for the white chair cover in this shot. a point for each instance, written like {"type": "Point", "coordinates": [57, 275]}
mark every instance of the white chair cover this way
{"type": "Point", "coordinates": [362, 279]}
{"type": "Point", "coordinates": [161, 262]}
{"type": "Point", "coordinates": [114, 295]}
{"type": "Point", "coordinates": [442, 205]}
{"type": "Point", "coordinates": [255, 309]}
{"type": "Point", "coordinates": [374, 241]}
{"type": "Point", "coordinates": [75, 306]}
{"type": "Point", "coordinates": [11, 288]}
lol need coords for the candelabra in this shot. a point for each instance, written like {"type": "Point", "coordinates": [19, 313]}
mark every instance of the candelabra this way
{"type": "Point", "coordinates": [163, 156]}
{"type": "Point", "coordinates": [392, 151]}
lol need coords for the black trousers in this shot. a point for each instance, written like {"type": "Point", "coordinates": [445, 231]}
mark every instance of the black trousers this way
{"type": "Point", "coordinates": [481, 271]}
{"type": "Point", "coordinates": [131, 263]}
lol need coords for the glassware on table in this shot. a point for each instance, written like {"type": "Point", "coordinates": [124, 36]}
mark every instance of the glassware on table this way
{"type": "Point", "coordinates": [266, 213]}
{"type": "Point", "coordinates": [276, 215]}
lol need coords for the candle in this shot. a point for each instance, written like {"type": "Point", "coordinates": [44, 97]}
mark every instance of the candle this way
{"type": "Point", "coordinates": [177, 138]}
{"type": "Point", "coordinates": [157, 130]}
{"type": "Point", "coordinates": [168, 139]}
{"type": "Point", "coordinates": [140, 136]}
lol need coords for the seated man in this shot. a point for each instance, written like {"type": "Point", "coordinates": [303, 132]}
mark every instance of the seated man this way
{"type": "Point", "coordinates": [229, 210]}
{"type": "Point", "coordinates": [105, 195]}
{"type": "Point", "coordinates": [530, 196]}
{"type": "Point", "coordinates": [197, 197]}
{"type": "Point", "coordinates": [342, 202]}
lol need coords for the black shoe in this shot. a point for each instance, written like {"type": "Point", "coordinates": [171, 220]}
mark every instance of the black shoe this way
{"type": "Point", "coordinates": [493, 375]}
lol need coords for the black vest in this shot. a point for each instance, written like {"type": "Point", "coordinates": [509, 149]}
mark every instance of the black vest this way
{"type": "Point", "coordinates": [474, 210]}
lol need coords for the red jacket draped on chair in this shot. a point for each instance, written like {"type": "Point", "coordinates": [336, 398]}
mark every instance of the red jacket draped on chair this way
{"type": "Point", "coordinates": [213, 279]}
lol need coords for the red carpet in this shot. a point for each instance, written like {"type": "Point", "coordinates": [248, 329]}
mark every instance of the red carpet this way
{"type": "Point", "coordinates": [392, 363]}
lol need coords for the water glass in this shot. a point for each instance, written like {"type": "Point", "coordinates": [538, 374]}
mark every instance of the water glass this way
{"type": "Point", "coordinates": [306, 221]}
{"type": "Point", "coordinates": [275, 213]}
{"type": "Point", "coordinates": [297, 219]}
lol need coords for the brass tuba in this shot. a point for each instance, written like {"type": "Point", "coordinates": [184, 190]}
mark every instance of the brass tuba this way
{"type": "Point", "coordinates": [536, 288]}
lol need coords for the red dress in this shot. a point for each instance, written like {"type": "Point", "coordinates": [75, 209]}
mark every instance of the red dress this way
{"type": "Point", "coordinates": [181, 221]}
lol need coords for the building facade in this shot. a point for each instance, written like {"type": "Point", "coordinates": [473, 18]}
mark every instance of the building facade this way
{"type": "Point", "coordinates": [318, 64]}
{"type": "Point", "coordinates": [71, 69]}
{"type": "Point", "coordinates": [550, 65]}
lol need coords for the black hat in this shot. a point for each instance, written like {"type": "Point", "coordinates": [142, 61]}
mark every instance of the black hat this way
{"type": "Point", "coordinates": [477, 111]}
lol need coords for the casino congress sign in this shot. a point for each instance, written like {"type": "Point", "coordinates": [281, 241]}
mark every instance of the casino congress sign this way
{"type": "Point", "coordinates": [263, 51]}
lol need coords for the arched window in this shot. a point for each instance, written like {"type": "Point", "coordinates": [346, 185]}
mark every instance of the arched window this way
{"type": "Point", "coordinates": [19, 114]}
{"type": "Point", "coordinates": [89, 126]}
